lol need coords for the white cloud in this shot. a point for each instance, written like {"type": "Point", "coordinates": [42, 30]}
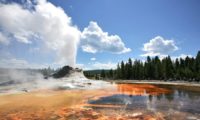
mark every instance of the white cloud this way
{"type": "Point", "coordinates": [93, 59]}
{"type": "Point", "coordinates": [19, 63]}
{"type": "Point", "coordinates": [53, 30]}
{"type": "Point", "coordinates": [3, 39]}
{"type": "Point", "coordinates": [89, 49]}
{"type": "Point", "coordinates": [183, 56]}
{"type": "Point", "coordinates": [79, 65]}
{"type": "Point", "coordinates": [99, 65]}
{"type": "Point", "coordinates": [47, 22]}
{"type": "Point", "coordinates": [159, 46]}
{"type": "Point", "coordinates": [94, 40]}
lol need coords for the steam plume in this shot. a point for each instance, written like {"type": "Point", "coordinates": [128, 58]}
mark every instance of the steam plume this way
{"type": "Point", "coordinates": [44, 21]}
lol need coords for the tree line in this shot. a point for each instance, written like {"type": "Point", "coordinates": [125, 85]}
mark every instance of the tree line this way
{"type": "Point", "coordinates": [154, 68]}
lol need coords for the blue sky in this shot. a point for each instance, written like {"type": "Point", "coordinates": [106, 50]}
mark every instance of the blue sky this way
{"type": "Point", "coordinates": [154, 27]}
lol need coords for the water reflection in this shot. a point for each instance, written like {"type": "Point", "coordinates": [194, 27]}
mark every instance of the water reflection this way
{"type": "Point", "coordinates": [140, 89]}
{"type": "Point", "coordinates": [171, 100]}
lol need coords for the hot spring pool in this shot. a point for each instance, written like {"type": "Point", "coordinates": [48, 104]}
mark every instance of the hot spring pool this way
{"type": "Point", "coordinates": [108, 101]}
{"type": "Point", "coordinates": [172, 101]}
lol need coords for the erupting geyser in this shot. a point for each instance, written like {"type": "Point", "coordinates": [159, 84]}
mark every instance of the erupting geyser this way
{"type": "Point", "coordinates": [41, 22]}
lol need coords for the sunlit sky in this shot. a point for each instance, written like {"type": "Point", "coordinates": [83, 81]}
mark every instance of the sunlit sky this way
{"type": "Point", "coordinates": [104, 32]}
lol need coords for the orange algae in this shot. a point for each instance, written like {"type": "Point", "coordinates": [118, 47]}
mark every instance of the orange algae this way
{"type": "Point", "coordinates": [140, 89]}
{"type": "Point", "coordinates": [71, 104]}
{"type": "Point", "coordinates": [91, 114]}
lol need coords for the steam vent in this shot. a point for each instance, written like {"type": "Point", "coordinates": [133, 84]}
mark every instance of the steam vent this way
{"type": "Point", "coordinates": [65, 72]}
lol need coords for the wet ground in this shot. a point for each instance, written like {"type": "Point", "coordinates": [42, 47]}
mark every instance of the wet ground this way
{"type": "Point", "coordinates": [108, 101]}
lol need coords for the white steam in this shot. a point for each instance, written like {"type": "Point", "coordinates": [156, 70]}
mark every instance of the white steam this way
{"type": "Point", "coordinates": [46, 22]}
{"type": "Point", "coordinates": [45, 27]}
{"type": "Point", "coordinates": [24, 80]}
{"type": "Point", "coordinates": [20, 76]}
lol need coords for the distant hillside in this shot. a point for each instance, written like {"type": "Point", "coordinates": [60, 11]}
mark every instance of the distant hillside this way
{"type": "Point", "coordinates": [94, 74]}
{"type": "Point", "coordinates": [94, 71]}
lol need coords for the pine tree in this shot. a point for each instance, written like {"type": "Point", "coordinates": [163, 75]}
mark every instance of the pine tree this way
{"type": "Point", "coordinates": [129, 69]}
{"type": "Point", "coordinates": [177, 69]}
{"type": "Point", "coordinates": [154, 68]}
{"type": "Point", "coordinates": [168, 68]}
{"type": "Point", "coordinates": [148, 68]}
{"type": "Point", "coordinates": [157, 68]}
{"type": "Point", "coordinates": [103, 74]}
{"type": "Point", "coordinates": [110, 74]}
{"type": "Point", "coordinates": [197, 64]}
{"type": "Point", "coordinates": [122, 70]}
{"type": "Point", "coordinates": [118, 71]}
